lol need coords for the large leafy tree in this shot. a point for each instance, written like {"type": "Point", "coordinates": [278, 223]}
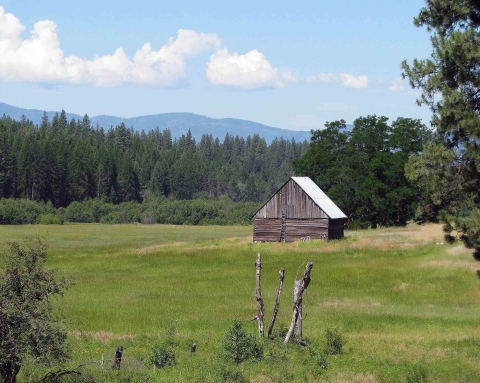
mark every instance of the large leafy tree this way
{"type": "Point", "coordinates": [28, 326]}
{"type": "Point", "coordinates": [449, 168]}
{"type": "Point", "coordinates": [362, 170]}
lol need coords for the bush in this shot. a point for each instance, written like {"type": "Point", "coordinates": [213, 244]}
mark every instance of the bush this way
{"type": "Point", "coordinates": [78, 212]}
{"type": "Point", "coordinates": [49, 219]}
{"type": "Point", "coordinates": [240, 346]}
{"type": "Point", "coordinates": [334, 340]}
{"type": "Point", "coordinates": [162, 356]}
{"type": "Point", "coordinates": [358, 225]}
{"type": "Point", "coordinates": [22, 211]}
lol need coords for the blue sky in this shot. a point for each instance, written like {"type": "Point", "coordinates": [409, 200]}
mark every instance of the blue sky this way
{"type": "Point", "coordinates": [293, 65]}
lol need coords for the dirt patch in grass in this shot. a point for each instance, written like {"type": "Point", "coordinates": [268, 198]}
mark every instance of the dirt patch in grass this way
{"type": "Point", "coordinates": [101, 336]}
{"type": "Point", "coordinates": [452, 264]}
{"type": "Point", "coordinates": [347, 303]}
{"type": "Point", "coordinates": [459, 250]}
{"type": "Point", "coordinates": [402, 286]}
{"type": "Point", "coordinates": [149, 249]}
{"type": "Point", "coordinates": [357, 378]}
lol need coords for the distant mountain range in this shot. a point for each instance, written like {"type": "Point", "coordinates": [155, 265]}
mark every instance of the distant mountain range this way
{"type": "Point", "coordinates": [178, 123]}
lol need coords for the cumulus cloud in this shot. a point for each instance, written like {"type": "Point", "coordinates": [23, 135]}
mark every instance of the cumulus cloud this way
{"type": "Point", "coordinates": [288, 76]}
{"type": "Point", "coordinates": [326, 77]}
{"type": "Point", "coordinates": [397, 85]}
{"type": "Point", "coordinates": [249, 71]}
{"type": "Point", "coordinates": [39, 58]}
{"type": "Point", "coordinates": [351, 81]}
{"type": "Point", "coordinates": [346, 79]}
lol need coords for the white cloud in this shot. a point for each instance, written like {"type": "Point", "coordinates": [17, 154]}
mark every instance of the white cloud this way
{"type": "Point", "coordinates": [346, 79]}
{"type": "Point", "coordinates": [397, 85]}
{"type": "Point", "coordinates": [249, 71]}
{"type": "Point", "coordinates": [326, 77]}
{"type": "Point", "coordinates": [288, 76]}
{"type": "Point", "coordinates": [351, 81]}
{"type": "Point", "coordinates": [40, 58]}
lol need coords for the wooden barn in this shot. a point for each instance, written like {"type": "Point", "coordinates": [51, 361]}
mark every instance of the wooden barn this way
{"type": "Point", "coordinates": [299, 210]}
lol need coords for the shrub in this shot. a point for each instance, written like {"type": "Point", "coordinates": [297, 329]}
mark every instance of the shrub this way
{"type": "Point", "coordinates": [240, 346]}
{"type": "Point", "coordinates": [49, 219]}
{"type": "Point", "coordinates": [78, 212]}
{"type": "Point", "coordinates": [334, 340]}
{"type": "Point", "coordinates": [22, 211]}
{"type": "Point", "coordinates": [319, 359]}
{"type": "Point", "coordinates": [162, 356]}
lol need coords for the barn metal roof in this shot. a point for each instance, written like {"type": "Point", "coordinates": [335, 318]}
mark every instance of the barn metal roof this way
{"type": "Point", "coordinates": [319, 197]}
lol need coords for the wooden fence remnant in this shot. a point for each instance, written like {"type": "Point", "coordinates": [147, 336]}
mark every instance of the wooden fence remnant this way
{"type": "Point", "coordinates": [281, 274]}
{"type": "Point", "coordinates": [118, 358]}
{"type": "Point", "coordinates": [258, 294]}
{"type": "Point", "coordinates": [300, 287]}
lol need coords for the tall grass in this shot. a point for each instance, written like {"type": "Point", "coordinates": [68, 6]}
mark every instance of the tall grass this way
{"type": "Point", "coordinates": [406, 305]}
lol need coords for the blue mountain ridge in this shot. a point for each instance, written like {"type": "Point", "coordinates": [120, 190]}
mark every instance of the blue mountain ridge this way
{"type": "Point", "coordinates": [178, 123]}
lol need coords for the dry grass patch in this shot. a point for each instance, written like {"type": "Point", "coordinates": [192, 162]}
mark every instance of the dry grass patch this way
{"type": "Point", "coordinates": [149, 249]}
{"type": "Point", "coordinates": [452, 264]}
{"type": "Point", "coordinates": [101, 336]}
{"type": "Point", "coordinates": [357, 378]}
{"type": "Point", "coordinates": [347, 303]}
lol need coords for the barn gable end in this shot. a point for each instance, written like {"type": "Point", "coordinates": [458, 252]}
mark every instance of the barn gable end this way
{"type": "Point", "coordinates": [298, 210]}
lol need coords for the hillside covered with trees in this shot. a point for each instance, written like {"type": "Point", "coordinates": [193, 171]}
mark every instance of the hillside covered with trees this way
{"type": "Point", "coordinates": [62, 162]}
{"type": "Point", "coordinates": [76, 172]}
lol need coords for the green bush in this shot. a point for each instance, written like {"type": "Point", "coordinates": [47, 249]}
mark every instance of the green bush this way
{"type": "Point", "coordinates": [162, 356]}
{"type": "Point", "coordinates": [49, 219]}
{"type": "Point", "coordinates": [239, 346]}
{"type": "Point", "coordinates": [22, 211]}
{"type": "Point", "coordinates": [334, 340]}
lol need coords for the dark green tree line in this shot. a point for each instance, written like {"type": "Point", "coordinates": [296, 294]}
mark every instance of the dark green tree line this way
{"type": "Point", "coordinates": [362, 170]}
{"type": "Point", "coordinates": [62, 162]}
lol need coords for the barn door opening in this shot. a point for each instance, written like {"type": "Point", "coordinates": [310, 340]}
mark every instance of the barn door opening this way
{"type": "Point", "coordinates": [283, 233]}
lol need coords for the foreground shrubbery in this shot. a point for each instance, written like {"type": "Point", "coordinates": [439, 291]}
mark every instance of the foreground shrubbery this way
{"type": "Point", "coordinates": [222, 211]}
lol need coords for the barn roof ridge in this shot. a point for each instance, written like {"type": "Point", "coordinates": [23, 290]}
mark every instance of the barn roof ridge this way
{"type": "Point", "coordinates": [319, 197]}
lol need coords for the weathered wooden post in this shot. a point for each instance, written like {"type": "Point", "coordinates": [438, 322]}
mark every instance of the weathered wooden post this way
{"type": "Point", "coordinates": [258, 294]}
{"type": "Point", "coordinates": [298, 298]}
{"type": "Point", "coordinates": [118, 358]}
{"type": "Point", "coordinates": [281, 274]}
{"type": "Point", "coordinates": [298, 323]}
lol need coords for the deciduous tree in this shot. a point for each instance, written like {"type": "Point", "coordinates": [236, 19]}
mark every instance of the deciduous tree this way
{"type": "Point", "coordinates": [28, 324]}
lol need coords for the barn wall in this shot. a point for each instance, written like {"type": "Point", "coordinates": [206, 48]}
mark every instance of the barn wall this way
{"type": "Point", "coordinates": [335, 229]}
{"type": "Point", "coordinates": [270, 229]}
{"type": "Point", "coordinates": [298, 229]}
{"type": "Point", "coordinates": [267, 230]}
{"type": "Point", "coordinates": [292, 201]}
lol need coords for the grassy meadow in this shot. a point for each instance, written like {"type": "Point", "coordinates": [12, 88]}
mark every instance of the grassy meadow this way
{"type": "Point", "coordinates": [406, 304]}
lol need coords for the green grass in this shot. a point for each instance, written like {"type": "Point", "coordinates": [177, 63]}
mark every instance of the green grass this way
{"type": "Point", "coordinates": [407, 305]}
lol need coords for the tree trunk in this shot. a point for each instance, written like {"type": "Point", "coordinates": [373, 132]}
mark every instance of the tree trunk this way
{"type": "Point", "coordinates": [258, 294]}
{"type": "Point", "coordinates": [281, 273]}
{"type": "Point", "coordinates": [298, 324]}
{"type": "Point", "coordinates": [297, 304]}
{"type": "Point", "coordinates": [9, 372]}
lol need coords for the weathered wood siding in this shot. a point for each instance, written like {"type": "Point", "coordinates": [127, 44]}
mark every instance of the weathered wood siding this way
{"type": "Point", "coordinates": [301, 216]}
{"type": "Point", "coordinates": [292, 201]}
{"type": "Point", "coordinates": [267, 230]}
{"type": "Point", "coordinates": [298, 229]}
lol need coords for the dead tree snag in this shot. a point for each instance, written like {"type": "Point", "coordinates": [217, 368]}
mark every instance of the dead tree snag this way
{"type": "Point", "coordinates": [281, 274]}
{"type": "Point", "coordinates": [300, 287]}
{"type": "Point", "coordinates": [258, 294]}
